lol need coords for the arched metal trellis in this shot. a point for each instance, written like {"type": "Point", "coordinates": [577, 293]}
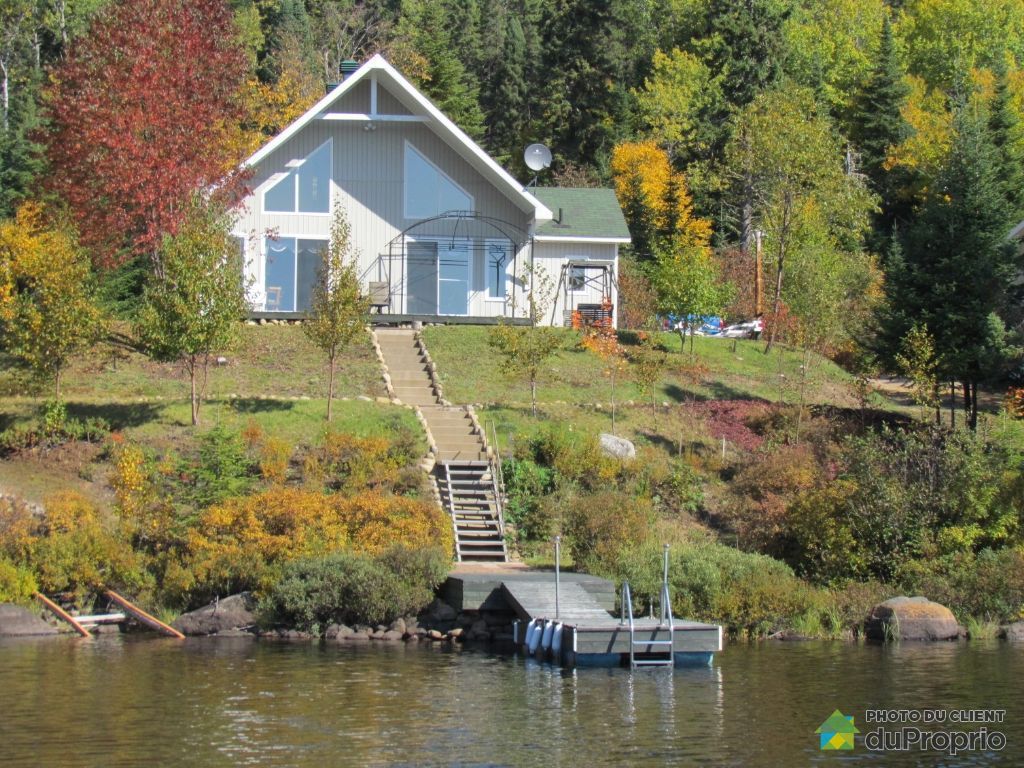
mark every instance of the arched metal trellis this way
{"type": "Point", "coordinates": [447, 250]}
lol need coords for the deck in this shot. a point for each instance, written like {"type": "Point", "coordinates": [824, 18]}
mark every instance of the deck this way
{"type": "Point", "coordinates": [593, 636]}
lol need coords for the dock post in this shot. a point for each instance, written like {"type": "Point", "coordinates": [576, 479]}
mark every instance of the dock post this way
{"type": "Point", "coordinates": [558, 557]}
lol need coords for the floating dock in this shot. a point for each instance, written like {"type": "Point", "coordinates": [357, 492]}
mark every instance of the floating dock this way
{"type": "Point", "coordinates": [581, 630]}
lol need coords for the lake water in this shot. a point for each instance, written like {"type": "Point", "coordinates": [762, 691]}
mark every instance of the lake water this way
{"type": "Point", "coordinates": [144, 701]}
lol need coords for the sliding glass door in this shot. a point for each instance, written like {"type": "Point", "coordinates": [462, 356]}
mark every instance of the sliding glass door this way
{"type": "Point", "coordinates": [291, 270]}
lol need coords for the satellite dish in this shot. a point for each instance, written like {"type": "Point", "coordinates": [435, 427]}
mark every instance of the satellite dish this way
{"type": "Point", "coordinates": [537, 157]}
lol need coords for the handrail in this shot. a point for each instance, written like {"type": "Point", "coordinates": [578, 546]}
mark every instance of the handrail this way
{"type": "Point", "coordinates": [627, 612]}
{"type": "Point", "coordinates": [497, 475]}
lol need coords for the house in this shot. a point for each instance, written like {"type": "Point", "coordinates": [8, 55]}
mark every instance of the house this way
{"type": "Point", "coordinates": [443, 232]}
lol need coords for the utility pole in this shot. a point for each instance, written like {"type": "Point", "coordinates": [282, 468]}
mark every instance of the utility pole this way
{"type": "Point", "coordinates": [758, 274]}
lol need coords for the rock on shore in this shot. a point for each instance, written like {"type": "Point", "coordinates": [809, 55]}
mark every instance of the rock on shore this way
{"type": "Point", "coordinates": [16, 621]}
{"type": "Point", "coordinates": [236, 612]}
{"type": "Point", "coordinates": [911, 618]}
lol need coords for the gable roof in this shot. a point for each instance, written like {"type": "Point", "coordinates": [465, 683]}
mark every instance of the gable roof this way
{"type": "Point", "coordinates": [587, 214]}
{"type": "Point", "coordinates": [454, 136]}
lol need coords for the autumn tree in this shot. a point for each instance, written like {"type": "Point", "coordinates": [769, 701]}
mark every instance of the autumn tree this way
{"type": "Point", "coordinates": [689, 287]}
{"type": "Point", "coordinates": [193, 307]}
{"type": "Point", "coordinates": [141, 112]}
{"type": "Point", "coordinates": [47, 307]}
{"type": "Point", "coordinates": [787, 154]}
{"type": "Point", "coordinates": [655, 200]}
{"type": "Point", "coordinates": [338, 311]}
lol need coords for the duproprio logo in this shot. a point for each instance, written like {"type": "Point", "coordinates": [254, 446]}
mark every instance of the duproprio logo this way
{"type": "Point", "coordinates": [837, 732]}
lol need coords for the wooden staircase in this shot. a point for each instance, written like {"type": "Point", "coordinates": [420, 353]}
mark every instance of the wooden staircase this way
{"type": "Point", "coordinates": [463, 472]}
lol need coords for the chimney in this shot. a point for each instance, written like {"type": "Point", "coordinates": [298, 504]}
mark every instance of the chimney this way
{"type": "Point", "coordinates": [348, 66]}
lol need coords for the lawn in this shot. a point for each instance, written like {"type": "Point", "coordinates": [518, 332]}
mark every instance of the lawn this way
{"type": "Point", "coordinates": [274, 378]}
{"type": "Point", "coordinates": [720, 369]}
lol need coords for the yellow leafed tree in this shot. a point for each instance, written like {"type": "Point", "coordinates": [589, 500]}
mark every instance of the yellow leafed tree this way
{"type": "Point", "coordinates": [47, 310]}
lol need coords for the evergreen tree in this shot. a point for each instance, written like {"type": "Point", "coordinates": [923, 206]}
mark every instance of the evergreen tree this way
{"type": "Point", "coordinates": [426, 28]}
{"type": "Point", "coordinates": [878, 125]}
{"type": "Point", "coordinates": [579, 78]}
{"type": "Point", "coordinates": [743, 41]}
{"type": "Point", "coordinates": [1004, 126]}
{"type": "Point", "coordinates": [508, 95]}
{"type": "Point", "coordinates": [956, 265]}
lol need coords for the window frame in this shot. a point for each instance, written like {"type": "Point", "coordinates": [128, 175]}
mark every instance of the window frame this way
{"type": "Point", "coordinates": [292, 176]}
{"type": "Point", "coordinates": [407, 211]}
{"type": "Point", "coordinates": [509, 258]}
{"type": "Point", "coordinates": [295, 268]}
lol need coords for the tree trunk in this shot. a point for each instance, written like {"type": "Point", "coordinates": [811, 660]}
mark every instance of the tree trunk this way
{"type": "Point", "coordinates": [974, 406]}
{"type": "Point", "coordinates": [533, 395]}
{"type": "Point", "coordinates": [330, 383]}
{"type": "Point", "coordinates": [938, 404]}
{"type": "Point", "coordinates": [777, 301]}
{"type": "Point", "coordinates": [952, 405]}
{"type": "Point", "coordinates": [56, 386]}
{"type": "Point", "coordinates": [195, 393]}
{"type": "Point", "coordinates": [966, 386]}
{"type": "Point", "coordinates": [6, 91]}
{"type": "Point", "coordinates": [682, 339]}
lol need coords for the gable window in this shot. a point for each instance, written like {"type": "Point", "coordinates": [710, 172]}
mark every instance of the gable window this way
{"type": "Point", "coordinates": [306, 188]}
{"type": "Point", "coordinates": [497, 261]}
{"type": "Point", "coordinates": [429, 191]}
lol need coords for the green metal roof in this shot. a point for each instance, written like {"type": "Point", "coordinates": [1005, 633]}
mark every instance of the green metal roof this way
{"type": "Point", "coordinates": [586, 213]}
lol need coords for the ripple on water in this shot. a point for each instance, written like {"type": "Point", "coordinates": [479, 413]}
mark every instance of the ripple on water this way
{"type": "Point", "coordinates": [122, 702]}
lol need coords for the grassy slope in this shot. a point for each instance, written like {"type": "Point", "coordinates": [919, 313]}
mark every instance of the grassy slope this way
{"type": "Point", "coordinates": [469, 371]}
{"type": "Point", "coordinates": [577, 393]}
{"type": "Point", "coordinates": [275, 378]}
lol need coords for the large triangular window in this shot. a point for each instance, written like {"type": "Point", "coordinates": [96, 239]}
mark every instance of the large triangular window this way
{"type": "Point", "coordinates": [429, 191]}
{"type": "Point", "coordinates": [306, 188]}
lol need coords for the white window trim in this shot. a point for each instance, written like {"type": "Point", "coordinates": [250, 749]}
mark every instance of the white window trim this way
{"type": "Point", "coordinates": [487, 271]}
{"type": "Point", "coordinates": [295, 266]}
{"type": "Point", "coordinates": [405, 184]}
{"type": "Point", "coordinates": [293, 166]}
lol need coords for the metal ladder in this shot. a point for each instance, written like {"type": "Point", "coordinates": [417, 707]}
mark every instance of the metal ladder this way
{"type": "Point", "coordinates": [665, 621]}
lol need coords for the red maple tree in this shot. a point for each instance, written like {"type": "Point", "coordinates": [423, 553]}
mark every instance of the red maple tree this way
{"type": "Point", "coordinates": [144, 111]}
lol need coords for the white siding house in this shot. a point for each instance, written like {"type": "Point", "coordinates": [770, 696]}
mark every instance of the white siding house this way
{"type": "Point", "coordinates": [443, 232]}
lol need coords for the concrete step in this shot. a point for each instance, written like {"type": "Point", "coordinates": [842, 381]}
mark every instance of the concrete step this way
{"type": "Point", "coordinates": [445, 455]}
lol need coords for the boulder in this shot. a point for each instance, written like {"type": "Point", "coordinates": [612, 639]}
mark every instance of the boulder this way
{"type": "Point", "coordinates": [1014, 632]}
{"type": "Point", "coordinates": [234, 612]}
{"type": "Point", "coordinates": [911, 618]}
{"type": "Point", "coordinates": [617, 447]}
{"type": "Point", "coordinates": [16, 621]}
{"type": "Point", "coordinates": [439, 611]}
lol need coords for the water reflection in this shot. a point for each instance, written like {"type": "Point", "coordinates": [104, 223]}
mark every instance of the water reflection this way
{"type": "Point", "coordinates": [211, 703]}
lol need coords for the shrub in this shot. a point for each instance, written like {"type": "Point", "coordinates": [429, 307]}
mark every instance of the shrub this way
{"type": "Point", "coordinates": [987, 585]}
{"type": "Point", "coordinates": [526, 485]}
{"type": "Point", "coordinates": [746, 592]}
{"type": "Point", "coordinates": [762, 491]}
{"type": "Point", "coordinates": [675, 488]}
{"type": "Point", "coordinates": [350, 463]}
{"type": "Point", "coordinates": [241, 543]}
{"type": "Point", "coordinates": [603, 523]}
{"type": "Point", "coordinates": [52, 427]}
{"type": "Point", "coordinates": [76, 548]}
{"type": "Point", "coordinates": [17, 584]}
{"type": "Point", "coordinates": [275, 455]}
{"type": "Point", "coordinates": [373, 522]}
{"type": "Point", "coordinates": [353, 588]}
